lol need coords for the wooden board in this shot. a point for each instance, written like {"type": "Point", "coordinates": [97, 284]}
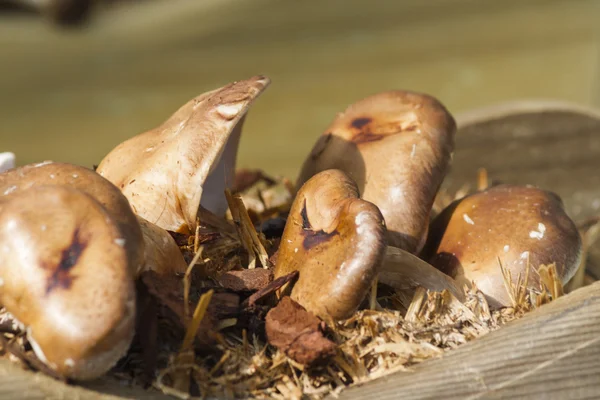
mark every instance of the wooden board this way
{"type": "Point", "coordinates": [553, 145]}
{"type": "Point", "coordinates": [552, 353]}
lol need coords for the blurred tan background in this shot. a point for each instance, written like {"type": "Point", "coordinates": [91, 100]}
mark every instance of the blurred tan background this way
{"type": "Point", "coordinates": [72, 95]}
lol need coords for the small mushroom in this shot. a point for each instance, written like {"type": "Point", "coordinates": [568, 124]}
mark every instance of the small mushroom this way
{"type": "Point", "coordinates": [336, 241]}
{"type": "Point", "coordinates": [396, 146]}
{"type": "Point", "coordinates": [507, 224]}
{"type": "Point", "coordinates": [7, 161]}
{"type": "Point", "coordinates": [188, 161]}
{"type": "Point", "coordinates": [65, 275]}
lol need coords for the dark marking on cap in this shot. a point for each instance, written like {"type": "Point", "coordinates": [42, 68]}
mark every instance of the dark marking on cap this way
{"type": "Point", "coordinates": [61, 276]}
{"type": "Point", "coordinates": [313, 238]}
{"type": "Point", "coordinates": [366, 137]}
{"type": "Point", "coordinates": [305, 222]}
{"type": "Point", "coordinates": [374, 132]}
{"type": "Point", "coordinates": [358, 123]}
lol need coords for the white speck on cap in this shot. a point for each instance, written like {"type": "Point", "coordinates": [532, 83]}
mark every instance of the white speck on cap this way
{"type": "Point", "coordinates": [506, 248]}
{"type": "Point", "coordinates": [7, 161]}
{"type": "Point", "coordinates": [468, 219]}
{"type": "Point", "coordinates": [120, 241]}
{"type": "Point", "coordinates": [69, 363]}
{"type": "Point", "coordinates": [539, 234]}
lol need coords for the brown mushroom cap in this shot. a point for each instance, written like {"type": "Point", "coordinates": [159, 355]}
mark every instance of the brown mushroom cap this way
{"type": "Point", "coordinates": [506, 222]}
{"type": "Point", "coordinates": [167, 172]}
{"type": "Point", "coordinates": [88, 181]}
{"type": "Point", "coordinates": [336, 241]}
{"type": "Point", "coordinates": [64, 273]}
{"type": "Point", "coordinates": [396, 146]}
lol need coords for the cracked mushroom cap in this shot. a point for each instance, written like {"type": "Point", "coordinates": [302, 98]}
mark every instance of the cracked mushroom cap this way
{"type": "Point", "coordinates": [88, 181]}
{"type": "Point", "coordinates": [506, 222]}
{"type": "Point", "coordinates": [336, 241]}
{"type": "Point", "coordinates": [396, 146]}
{"type": "Point", "coordinates": [65, 275]}
{"type": "Point", "coordinates": [168, 172]}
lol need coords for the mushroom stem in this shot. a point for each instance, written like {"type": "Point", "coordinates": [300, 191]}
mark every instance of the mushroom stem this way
{"type": "Point", "coordinates": [405, 273]}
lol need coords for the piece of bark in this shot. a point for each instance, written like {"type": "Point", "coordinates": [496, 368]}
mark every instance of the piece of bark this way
{"type": "Point", "coordinates": [204, 236]}
{"type": "Point", "coordinates": [298, 333]}
{"type": "Point", "coordinates": [246, 178]}
{"type": "Point", "coordinates": [168, 290]}
{"type": "Point", "coordinates": [268, 290]}
{"type": "Point", "coordinates": [246, 280]}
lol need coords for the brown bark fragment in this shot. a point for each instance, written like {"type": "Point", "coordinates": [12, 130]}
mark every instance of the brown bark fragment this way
{"type": "Point", "coordinates": [298, 333]}
{"type": "Point", "coordinates": [246, 280]}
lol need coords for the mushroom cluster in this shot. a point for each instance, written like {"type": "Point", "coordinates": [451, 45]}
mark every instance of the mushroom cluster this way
{"type": "Point", "coordinates": [74, 240]}
{"type": "Point", "coordinates": [393, 150]}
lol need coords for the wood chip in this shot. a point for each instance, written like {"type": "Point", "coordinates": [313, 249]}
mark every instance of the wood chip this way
{"type": "Point", "coordinates": [298, 333]}
{"type": "Point", "coordinates": [246, 280]}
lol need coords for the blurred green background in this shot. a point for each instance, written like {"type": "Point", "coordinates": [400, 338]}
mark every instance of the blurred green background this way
{"type": "Point", "coordinates": [73, 94]}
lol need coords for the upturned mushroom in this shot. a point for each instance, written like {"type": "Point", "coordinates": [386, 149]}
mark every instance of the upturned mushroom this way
{"type": "Point", "coordinates": [48, 238]}
{"type": "Point", "coordinates": [396, 146]}
{"type": "Point", "coordinates": [508, 225]}
{"type": "Point", "coordinates": [336, 241]}
{"type": "Point", "coordinates": [168, 172]}
{"type": "Point", "coordinates": [7, 161]}
{"type": "Point", "coordinates": [65, 275]}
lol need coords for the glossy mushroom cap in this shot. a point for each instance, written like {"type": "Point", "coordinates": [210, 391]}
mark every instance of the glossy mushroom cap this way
{"type": "Point", "coordinates": [65, 275]}
{"type": "Point", "coordinates": [7, 161]}
{"type": "Point", "coordinates": [396, 146]}
{"type": "Point", "coordinates": [88, 181]}
{"type": "Point", "coordinates": [336, 241]}
{"type": "Point", "coordinates": [167, 172]}
{"type": "Point", "coordinates": [506, 222]}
